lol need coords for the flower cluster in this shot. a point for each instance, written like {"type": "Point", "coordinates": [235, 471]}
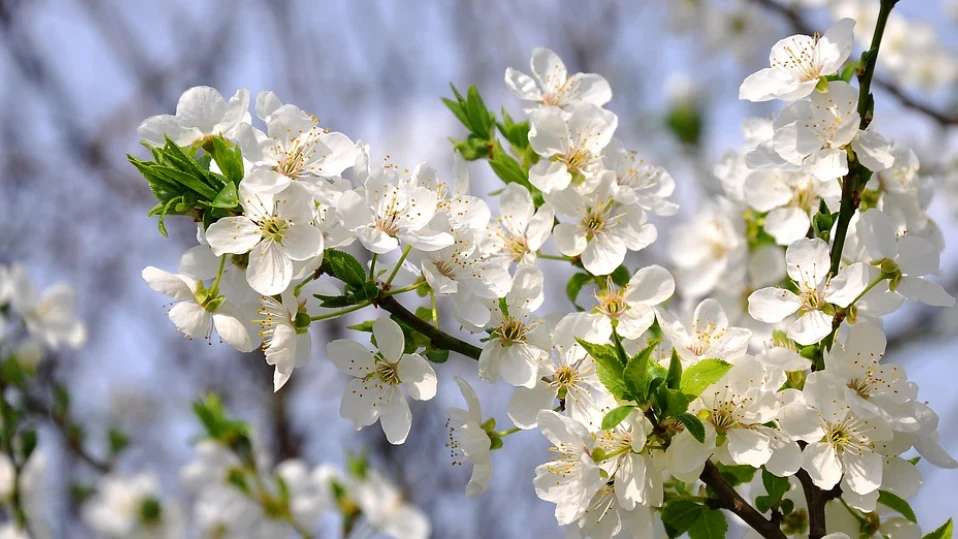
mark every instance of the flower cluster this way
{"type": "Point", "coordinates": [763, 354]}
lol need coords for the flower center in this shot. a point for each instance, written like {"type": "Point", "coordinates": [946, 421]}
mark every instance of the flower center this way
{"type": "Point", "coordinates": [612, 304]}
{"type": "Point", "coordinates": [577, 159]}
{"type": "Point", "coordinates": [274, 228]}
{"type": "Point", "coordinates": [862, 387]}
{"type": "Point", "coordinates": [446, 269]}
{"type": "Point", "coordinates": [389, 223]}
{"type": "Point", "coordinates": [517, 247]}
{"type": "Point", "coordinates": [565, 377]}
{"type": "Point", "coordinates": [388, 373]}
{"type": "Point", "coordinates": [812, 299]}
{"type": "Point", "coordinates": [513, 331]}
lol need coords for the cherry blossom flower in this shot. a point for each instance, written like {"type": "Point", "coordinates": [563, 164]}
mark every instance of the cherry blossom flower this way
{"type": "Point", "coordinates": [571, 478]}
{"type": "Point", "coordinates": [522, 228]}
{"type": "Point", "coordinates": [798, 63]}
{"type": "Point", "coordinates": [374, 392]}
{"type": "Point", "coordinates": [275, 231]}
{"type": "Point", "coordinates": [841, 445]}
{"type": "Point", "coordinates": [604, 231]}
{"type": "Point", "coordinates": [518, 340]}
{"type": "Point", "coordinates": [552, 85]}
{"type": "Point", "coordinates": [201, 112]}
{"type": "Point", "coordinates": [707, 336]}
{"type": "Point", "coordinates": [50, 316]}
{"type": "Point", "coordinates": [570, 372]}
{"type": "Point", "coordinates": [390, 209]}
{"type": "Point", "coordinates": [293, 149]}
{"type": "Point", "coordinates": [571, 147]}
{"type": "Point", "coordinates": [197, 310]}
{"type": "Point", "coordinates": [468, 439]}
{"type": "Point", "coordinates": [807, 262]}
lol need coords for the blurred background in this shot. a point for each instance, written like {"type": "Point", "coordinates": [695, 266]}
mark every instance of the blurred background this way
{"type": "Point", "coordinates": [78, 76]}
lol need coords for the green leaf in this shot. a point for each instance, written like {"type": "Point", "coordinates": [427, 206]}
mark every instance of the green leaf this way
{"type": "Point", "coordinates": [506, 167]}
{"type": "Point", "coordinates": [678, 402]}
{"type": "Point", "coordinates": [674, 377]}
{"type": "Point", "coordinates": [186, 179]}
{"type": "Point", "coordinates": [456, 108]}
{"type": "Point", "coordinates": [230, 162]}
{"type": "Point", "coordinates": [892, 501]}
{"type": "Point", "coordinates": [118, 440]}
{"type": "Point", "coordinates": [344, 267]}
{"type": "Point", "coordinates": [775, 487]}
{"type": "Point", "coordinates": [366, 326]}
{"type": "Point", "coordinates": [710, 525]}
{"type": "Point", "coordinates": [693, 425]}
{"type": "Point", "coordinates": [616, 416]}
{"type": "Point", "coordinates": [703, 374]}
{"type": "Point", "coordinates": [480, 119]}
{"type": "Point", "coordinates": [608, 367]}
{"type": "Point", "coordinates": [943, 532]}
{"type": "Point", "coordinates": [575, 284]}
{"type": "Point", "coordinates": [636, 373]}
{"type": "Point", "coordinates": [227, 198]}
{"type": "Point", "coordinates": [620, 276]}
{"type": "Point", "coordinates": [680, 515]}
{"type": "Point", "coordinates": [737, 474]}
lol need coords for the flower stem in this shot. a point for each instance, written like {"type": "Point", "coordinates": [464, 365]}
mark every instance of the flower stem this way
{"type": "Point", "coordinates": [507, 432]}
{"type": "Point", "coordinates": [396, 291]}
{"type": "Point", "coordinates": [435, 314]}
{"type": "Point", "coordinates": [554, 257]}
{"type": "Point", "coordinates": [399, 262]}
{"type": "Point", "coordinates": [214, 289]}
{"type": "Point", "coordinates": [303, 283]}
{"type": "Point", "coordinates": [372, 266]}
{"type": "Point", "coordinates": [334, 314]}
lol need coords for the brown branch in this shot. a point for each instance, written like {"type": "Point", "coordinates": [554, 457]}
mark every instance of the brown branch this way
{"type": "Point", "coordinates": [798, 24]}
{"type": "Point", "coordinates": [731, 500]}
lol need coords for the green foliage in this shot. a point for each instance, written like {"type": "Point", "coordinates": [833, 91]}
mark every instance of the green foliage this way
{"type": "Point", "coordinates": [636, 373]}
{"type": "Point", "coordinates": [481, 142]}
{"type": "Point", "coordinates": [775, 486]}
{"type": "Point", "coordinates": [231, 433]}
{"type": "Point", "coordinates": [620, 276]}
{"type": "Point", "coordinates": [703, 374]}
{"type": "Point", "coordinates": [575, 284]}
{"type": "Point", "coordinates": [616, 416]}
{"type": "Point", "coordinates": [735, 474]}
{"type": "Point", "coordinates": [183, 183]}
{"type": "Point", "coordinates": [674, 376]}
{"type": "Point", "coordinates": [357, 287]}
{"type": "Point", "coordinates": [118, 441]}
{"type": "Point", "coordinates": [685, 122]}
{"type": "Point", "coordinates": [700, 522]}
{"type": "Point", "coordinates": [608, 368]}
{"type": "Point", "coordinates": [943, 532]}
{"type": "Point", "coordinates": [892, 501]}
{"type": "Point", "coordinates": [693, 425]}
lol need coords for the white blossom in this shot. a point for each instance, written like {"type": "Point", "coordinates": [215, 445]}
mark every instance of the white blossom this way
{"type": "Point", "coordinates": [374, 393]}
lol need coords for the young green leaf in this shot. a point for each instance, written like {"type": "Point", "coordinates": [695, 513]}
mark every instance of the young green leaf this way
{"type": "Point", "coordinates": [680, 515]}
{"type": "Point", "coordinates": [616, 416]}
{"type": "Point", "coordinates": [674, 377]}
{"type": "Point", "coordinates": [636, 373]}
{"type": "Point", "coordinates": [575, 284]}
{"type": "Point", "coordinates": [693, 425]}
{"type": "Point", "coordinates": [703, 374]}
{"type": "Point", "coordinates": [344, 267]}
{"type": "Point", "coordinates": [710, 525]}
{"type": "Point", "coordinates": [943, 532]}
{"type": "Point", "coordinates": [893, 501]}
